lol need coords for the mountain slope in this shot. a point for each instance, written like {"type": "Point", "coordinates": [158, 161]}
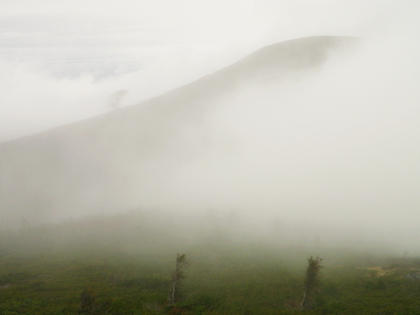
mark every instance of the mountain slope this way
{"type": "Point", "coordinates": [123, 158]}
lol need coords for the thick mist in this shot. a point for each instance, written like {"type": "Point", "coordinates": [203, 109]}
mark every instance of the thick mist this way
{"type": "Point", "coordinates": [317, 143]}
{"type": "Point", "coordinates": [336, 149]}
{"type": "Point", "coordinates": [62, 62]}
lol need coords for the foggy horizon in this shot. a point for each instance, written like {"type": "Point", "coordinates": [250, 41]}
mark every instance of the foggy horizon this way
{"type": "Point", "coordinates": [69, 60]}
{"type": "Point", "coordinates": [247, 109]}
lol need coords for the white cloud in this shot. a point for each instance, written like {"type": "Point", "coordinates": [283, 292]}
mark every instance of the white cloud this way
{"type": "Point", "coordinates": [63, 58]}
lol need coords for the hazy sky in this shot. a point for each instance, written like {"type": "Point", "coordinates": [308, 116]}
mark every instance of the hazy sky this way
{"type": "Point", "coordinates": [62, 61]}
{"type": "Point", "coordinates": [340, 147]}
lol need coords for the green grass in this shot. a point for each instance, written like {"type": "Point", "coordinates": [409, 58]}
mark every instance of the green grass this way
{"type": "Point", "coordinates": [131, 285]}
{"type": "Point", "coordinates": [223, 277]}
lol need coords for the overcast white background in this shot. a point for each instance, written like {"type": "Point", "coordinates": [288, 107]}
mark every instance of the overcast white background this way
{"type": "Point", "coordinates": [340, 147]}
{"type": "Point", "coordinates": [62, 61]}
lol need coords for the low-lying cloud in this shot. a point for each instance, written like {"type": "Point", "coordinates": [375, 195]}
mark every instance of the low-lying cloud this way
{"type": "Point", "coordinates": [335, 145]}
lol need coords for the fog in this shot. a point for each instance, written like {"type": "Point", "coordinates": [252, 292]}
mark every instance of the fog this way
{"type": "Point", "coordinates": [60, 62]}
{"type": "Point", "coordinates": [321, 142]}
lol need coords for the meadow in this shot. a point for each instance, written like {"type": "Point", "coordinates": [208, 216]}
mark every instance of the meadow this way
{"type": "Point", "coordinates": [85, 267]}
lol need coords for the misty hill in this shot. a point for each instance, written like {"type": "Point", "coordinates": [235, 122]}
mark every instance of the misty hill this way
{"type": "Point", "coordinates": [130, 156]}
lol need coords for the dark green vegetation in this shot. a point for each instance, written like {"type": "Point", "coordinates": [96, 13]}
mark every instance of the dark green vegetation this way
{"type": "Point", "coordinates": [107, 266]}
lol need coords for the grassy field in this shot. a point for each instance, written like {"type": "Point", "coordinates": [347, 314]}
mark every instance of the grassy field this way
{"type": "Point", "coordinates": [47, 270]}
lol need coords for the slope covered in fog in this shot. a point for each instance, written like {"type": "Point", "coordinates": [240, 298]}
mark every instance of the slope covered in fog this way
{"type": "Point", "coordinates": [120, 159]}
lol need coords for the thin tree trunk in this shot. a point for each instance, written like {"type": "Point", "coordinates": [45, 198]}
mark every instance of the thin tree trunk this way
{"type": "Point", "coordinates": [181, 263]}
{"type": "Point", "coordinates": [172, 293]}
{"type": "Point", "coordinates": [311, 280]}
{"type": "Point", "coordinates": [303, 304]}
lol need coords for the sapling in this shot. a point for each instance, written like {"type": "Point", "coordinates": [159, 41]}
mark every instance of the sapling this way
{"type": "Point", "coordinates": [312, 281]}
{"type": "Point", "coordinates": [177, 275]}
